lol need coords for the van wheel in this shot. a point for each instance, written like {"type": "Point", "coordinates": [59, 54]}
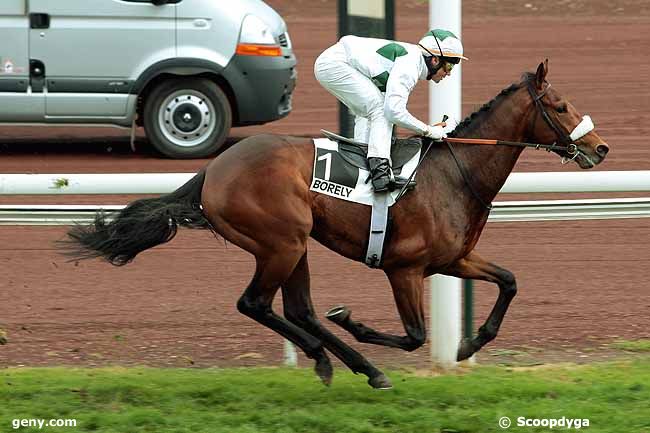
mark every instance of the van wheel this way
{"type": "Point", "coordinates": [187, 118]}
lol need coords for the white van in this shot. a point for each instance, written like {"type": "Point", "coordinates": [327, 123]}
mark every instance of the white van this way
{"type": "Point", "coordinates": [187, 70]}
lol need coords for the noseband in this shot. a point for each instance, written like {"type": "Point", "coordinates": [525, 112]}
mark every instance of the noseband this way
{"type": "Point", "coordinates": [566, 141]}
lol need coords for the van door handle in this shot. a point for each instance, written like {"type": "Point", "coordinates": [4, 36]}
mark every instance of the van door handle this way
{"type": "Point", "coordinates": [200, 23]}
{"type": "Point", "coordinates": [39, 21]}
{"type": "Point", "coordinates": [163, 2]}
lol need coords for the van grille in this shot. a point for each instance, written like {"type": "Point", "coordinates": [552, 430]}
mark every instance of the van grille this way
{"type": "Point", "coordinates": [283, 40]}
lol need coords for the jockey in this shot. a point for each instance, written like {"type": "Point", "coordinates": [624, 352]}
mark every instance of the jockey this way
{"type": "Point", "coordinates": [374, 78]}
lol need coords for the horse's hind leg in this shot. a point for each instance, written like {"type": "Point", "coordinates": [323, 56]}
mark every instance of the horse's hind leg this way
{"type": "Point", "coordinates": [298, 309]}
{"type": "Point", "coordinates": [475, 267]}
{"type": "Point", "coordinates": [273, 270]}
{"type": "Point", "coordinates": [407, 287]}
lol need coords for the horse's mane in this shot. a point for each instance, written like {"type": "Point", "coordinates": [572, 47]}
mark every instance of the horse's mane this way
{"type": "Point", "coordinates": [479, 114]}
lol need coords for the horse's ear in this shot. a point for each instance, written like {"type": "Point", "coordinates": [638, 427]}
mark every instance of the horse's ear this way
{"type": "Point", "coordinates": [542, 70]}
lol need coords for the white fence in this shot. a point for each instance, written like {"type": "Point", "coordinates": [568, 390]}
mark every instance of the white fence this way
{"type": "Point", "coordinates": [506, 211]}
{"type": "Point", "coordinates": [445, 292]}
{"type": "Point", "coordinates": [158, 183]}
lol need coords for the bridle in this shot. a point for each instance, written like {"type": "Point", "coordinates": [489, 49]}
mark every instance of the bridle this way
{"type": "Point", "coordinates": [566, 141]}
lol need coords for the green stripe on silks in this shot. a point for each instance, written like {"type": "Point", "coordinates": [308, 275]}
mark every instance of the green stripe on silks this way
{"type": "Point", "coordinates": [441, 34]}
{"type": "Point", "coordinates": [392, 51]}
{"type": "Point", "coordinates": [381, 80]}
{"type": "Point", "coordinates": [389, 51]}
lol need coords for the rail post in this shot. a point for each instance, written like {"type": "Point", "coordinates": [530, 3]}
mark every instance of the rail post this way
{"type": "Point", "coordinates": [445, 292]}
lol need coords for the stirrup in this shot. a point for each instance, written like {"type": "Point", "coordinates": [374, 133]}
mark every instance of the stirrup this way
{"type": "Point", "coordinates": [401, 181]}
{"type": "Point", "coordinates": [382, 183]}
{"type": "Point", "coordinates": [381, 174]}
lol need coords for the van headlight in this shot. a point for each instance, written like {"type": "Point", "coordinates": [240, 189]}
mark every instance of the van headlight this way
{"type": "Point", "coordinates": [256, 39]}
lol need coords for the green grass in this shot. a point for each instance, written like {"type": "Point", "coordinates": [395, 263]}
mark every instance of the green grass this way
{"type": "Point", "coordinates": [632, 345]}
{"type": "Point", "coordinates": [613, 396]}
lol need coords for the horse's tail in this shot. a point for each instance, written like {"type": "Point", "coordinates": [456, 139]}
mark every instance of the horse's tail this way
{"type": "Point", "coordinates": [141, 225]}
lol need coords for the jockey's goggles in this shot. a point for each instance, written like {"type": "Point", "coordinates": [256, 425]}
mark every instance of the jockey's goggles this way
{"type": "Point", "coordinates": [449, 62]}
{"type": "Point", "coordinates": [448, 67]}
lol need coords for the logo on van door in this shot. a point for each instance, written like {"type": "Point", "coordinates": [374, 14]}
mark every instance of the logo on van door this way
{"type": "Point", "coordinates": [8, 67]}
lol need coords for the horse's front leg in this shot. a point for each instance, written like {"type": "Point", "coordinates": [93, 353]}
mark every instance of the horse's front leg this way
{"type": "Point", "coordinates": [474, 267]}
{"type": "Point", "coordinates": [407, 287]}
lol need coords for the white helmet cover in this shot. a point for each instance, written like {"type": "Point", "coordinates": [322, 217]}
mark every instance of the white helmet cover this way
{"type": "Point", "coordinates": [450, 44]}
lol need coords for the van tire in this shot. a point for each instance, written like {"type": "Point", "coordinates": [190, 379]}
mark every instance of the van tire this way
{"type": "Point", "coordinates": [187, 118]}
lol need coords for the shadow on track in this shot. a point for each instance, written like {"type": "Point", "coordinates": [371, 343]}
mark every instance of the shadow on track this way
{"type": "Point", "coordinates": [59, 141]}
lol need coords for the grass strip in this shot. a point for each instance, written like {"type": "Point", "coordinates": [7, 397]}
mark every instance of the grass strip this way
{"type": "Point", "coordinates": [613, 396]}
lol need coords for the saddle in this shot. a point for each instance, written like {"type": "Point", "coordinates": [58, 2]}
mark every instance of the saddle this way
{"type": "Point", "coordinates": [356, 153]}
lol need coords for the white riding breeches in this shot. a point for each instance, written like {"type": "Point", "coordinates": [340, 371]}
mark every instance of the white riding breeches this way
{"type": "Point", "coordinates": [360, 95]}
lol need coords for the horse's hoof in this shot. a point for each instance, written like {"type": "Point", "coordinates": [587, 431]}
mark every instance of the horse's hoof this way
{"type": "Point", "coordinates": [380, 382]}
{"type": "Point", "coordinates": [338, 314]}
{"type": "Point", "coordinates": [465, 350]}
{"type": "Point", "coordinates": [324, 370]}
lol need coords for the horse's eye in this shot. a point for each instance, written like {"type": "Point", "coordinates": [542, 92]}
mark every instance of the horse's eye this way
{"type": "Point", "coordinates": [561, 108]}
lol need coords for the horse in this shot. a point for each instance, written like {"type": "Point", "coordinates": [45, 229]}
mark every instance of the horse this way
{"type": "Point", "coordinates": [257, 195]}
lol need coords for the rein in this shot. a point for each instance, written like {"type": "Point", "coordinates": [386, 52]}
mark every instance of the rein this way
{"type": "Point", "coordinates": [571, 149]}
{"type": "Point", "coordinates": [461, 168]}
{"type": "Point", "coordinates": [463, 173]}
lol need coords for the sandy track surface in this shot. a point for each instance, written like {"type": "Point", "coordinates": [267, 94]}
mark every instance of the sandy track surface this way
{"type": "Point", "coordinates": [582, 284]}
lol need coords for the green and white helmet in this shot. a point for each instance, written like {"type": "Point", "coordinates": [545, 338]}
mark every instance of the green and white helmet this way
{"type": "Point", "coordinates": [440, 39]}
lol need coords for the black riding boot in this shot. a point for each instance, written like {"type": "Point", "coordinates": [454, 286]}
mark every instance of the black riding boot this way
{"type": "Point", "coordinates": [380, 173]}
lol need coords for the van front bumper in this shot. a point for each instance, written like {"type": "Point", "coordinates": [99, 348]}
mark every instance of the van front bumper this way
{"type": "Point", "coordinates": [262, 87]}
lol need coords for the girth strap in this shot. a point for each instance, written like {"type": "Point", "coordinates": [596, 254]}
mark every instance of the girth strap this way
{"type": "Point", "coordinates": [378, 228]}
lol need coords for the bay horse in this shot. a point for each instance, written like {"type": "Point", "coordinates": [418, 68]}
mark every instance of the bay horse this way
{"type": "Point", "coordinates": [257, 196]}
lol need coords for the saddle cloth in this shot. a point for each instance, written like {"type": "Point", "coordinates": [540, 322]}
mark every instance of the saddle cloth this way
{"type": "Point", "coordinates": [341, 168]}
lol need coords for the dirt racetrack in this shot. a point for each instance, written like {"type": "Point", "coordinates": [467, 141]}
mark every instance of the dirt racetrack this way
{"type": "Point", "coordinates": [582, 284]}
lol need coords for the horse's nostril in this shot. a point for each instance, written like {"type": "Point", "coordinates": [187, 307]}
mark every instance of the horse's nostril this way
{"type": "Point", "coordinates": [602, 149]}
